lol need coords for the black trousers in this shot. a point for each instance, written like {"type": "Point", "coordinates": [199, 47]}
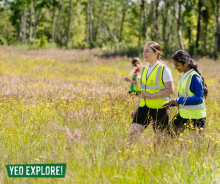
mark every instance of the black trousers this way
{"type": "Point", "coordinates": [180, 124]}
{"type": "Point", "coordinates": [145, 115]}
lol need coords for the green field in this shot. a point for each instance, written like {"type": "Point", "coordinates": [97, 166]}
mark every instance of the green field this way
{"type": "Point", "coordinates": [71, 107]}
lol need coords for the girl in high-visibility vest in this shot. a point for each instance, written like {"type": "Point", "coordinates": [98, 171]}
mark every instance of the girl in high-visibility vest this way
{"type": "Point", "coordinates": [156, 86]}
{"type": "Point", "coordinates": [191, 92]}
{"type": "Point", "coordinates": [135, 76]}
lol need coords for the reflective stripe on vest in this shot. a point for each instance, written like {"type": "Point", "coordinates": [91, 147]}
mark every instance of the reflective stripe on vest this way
{"type": "Point", "coordinates": [161, 98]}
{"type": "Point", "coordinates": [189, 111]}
{"type": "Point", "coordinates": [153, 84]}
{"type": "Point", "coordinates": [192, 107]}
{"type": "Point", "coordinates": [152, 87]}
{"type": "Point", "coordinates": [142, 74]}
{"type": "Point", "coordinates": [137, 88]}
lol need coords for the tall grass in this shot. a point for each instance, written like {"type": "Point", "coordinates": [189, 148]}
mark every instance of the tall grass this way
{"type": "Point", "coordinates": [71, 107]}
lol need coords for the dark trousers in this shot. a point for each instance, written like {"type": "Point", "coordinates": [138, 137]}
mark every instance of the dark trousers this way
{"type": "Point", "coordinates": [145, 115]}
{"type": "Point", "coordinates": [179, 124]}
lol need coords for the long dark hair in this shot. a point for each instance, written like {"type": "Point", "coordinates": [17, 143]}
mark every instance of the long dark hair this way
{"type": "Point", "coordinates": [182, 56]}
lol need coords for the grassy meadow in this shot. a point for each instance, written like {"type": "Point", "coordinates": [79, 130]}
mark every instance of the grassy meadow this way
{"type": "Point", "coordinates": [71, 107]}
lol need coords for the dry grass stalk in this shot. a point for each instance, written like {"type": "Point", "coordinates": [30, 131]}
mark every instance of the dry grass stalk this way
{"type": "Point", "coordinates": [72, 137]}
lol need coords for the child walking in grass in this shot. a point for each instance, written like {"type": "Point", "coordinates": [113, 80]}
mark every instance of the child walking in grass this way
{"type": "Point", "coordinates": [191, 92]}
{"type": "Point", "coordinates": [135, 76]}
{"type": "Point", "coordinates": [156, 86]}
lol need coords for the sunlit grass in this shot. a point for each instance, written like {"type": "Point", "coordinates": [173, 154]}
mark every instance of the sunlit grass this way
{"type": "Point", "coordinates": [46, 94]}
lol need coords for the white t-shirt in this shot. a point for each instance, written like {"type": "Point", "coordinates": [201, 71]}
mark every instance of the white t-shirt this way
{"type": "Point", "coordinates": [184, 76]}
{"type": "Point", "coordinates": [167, 76]}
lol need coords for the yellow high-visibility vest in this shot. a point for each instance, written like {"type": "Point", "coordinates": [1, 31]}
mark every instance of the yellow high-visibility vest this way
{"type": "Point", "coordinates": [137, 88]}
{"type": "Point", "coordinates": [190, 111]}
{"type": "Point", "coordinates": [153, 84]}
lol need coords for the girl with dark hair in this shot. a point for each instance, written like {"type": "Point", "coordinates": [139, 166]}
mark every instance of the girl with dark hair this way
{"type": "Point", "coordinates": [191, 92]}
{"type": "Point", "coordinates": [135, 76]}
{"type": "Point", "coordinates": [156, 86]}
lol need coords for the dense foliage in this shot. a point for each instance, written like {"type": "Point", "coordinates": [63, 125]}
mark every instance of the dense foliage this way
{"type": "Point", "coordinates": [122, 26]}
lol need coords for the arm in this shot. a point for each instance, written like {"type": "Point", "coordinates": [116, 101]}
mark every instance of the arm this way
{"type": "Point", "coordinates": [131, 81]}
{"type": "Point", "coordinates": [127, 79]}
{"type": "Point", "coordinates": [196, 87]}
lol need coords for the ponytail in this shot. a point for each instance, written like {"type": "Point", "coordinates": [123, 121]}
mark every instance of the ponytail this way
{"type": "Point", "coordinates": [159, 58]}
{"type": "Point", "coordinates": [156, 48]}
{"type": "Point", "coordinates": [182, 56]}
{"type": "Point", "coordinates": [193, 65]}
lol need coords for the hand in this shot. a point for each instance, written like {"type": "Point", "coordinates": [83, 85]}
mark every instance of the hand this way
{"type": "Point", "coordinates": [134, 81]}
{"type": "Point", "coordinates": [133, 113]}
{"type": "Point", "coordinates": [166, 105]}
{"type": "Point", "coordinates": [127, 79]}
{"type": "Point", "coordinates": [146, 94]}
{"type": "Point", "coordinates": [174, 101]}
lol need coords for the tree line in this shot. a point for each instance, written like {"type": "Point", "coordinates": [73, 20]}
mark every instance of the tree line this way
{"type": "Point", "coordinates": [120, 25]}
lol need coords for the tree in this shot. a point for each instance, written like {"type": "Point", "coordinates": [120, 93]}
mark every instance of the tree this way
{"type": "Point", "coordinates": [23, 25]}
{"type": "Point", "coordinates": [206, 14]}
{"type": "Point", "coordinates": [140, 24]}
{"type": "Point", "coordinates": [178, 19]}
{"type": "Point", "coordinates": [199, 23]}
{"type": "Point", "coordinates": [164, 18]}
{"type": "Point", "coordinates": [68, 26]}
{"type": "Point", "coordinates": [156, 16]}
{"type": "Point", "coordinates": [90, 23]}
{"type": "Point", "coordinates": [125, 5]}
{"type": "Point", "coordinates": [217, 26]}
{"type": "Point", "coordinates": [108, 22]}
{"type": "Point", "coordinates": [53, 7]}
{"type": "Point", "coordinates": [145, 20]}
{"type": "Point", "coordinates": [58, 18]}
